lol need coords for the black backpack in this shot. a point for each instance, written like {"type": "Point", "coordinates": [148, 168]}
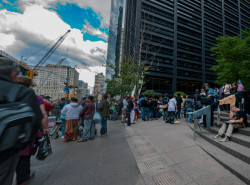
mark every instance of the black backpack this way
{"type": "Point", "coordinates": [17, 121]}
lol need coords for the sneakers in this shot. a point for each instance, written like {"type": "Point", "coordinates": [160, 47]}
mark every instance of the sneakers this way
{"type": "Point", "coordinates": [225, 139]}
{"type": "Point", "coordinates": [62, 137]}
{"type": "Point", "coordinates": [218, 136]}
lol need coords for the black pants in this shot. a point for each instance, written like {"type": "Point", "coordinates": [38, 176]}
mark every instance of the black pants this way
{"type": "Point", "coordinates": [23, 169]}
{"type": "Point", "coordinates": [7, 169]}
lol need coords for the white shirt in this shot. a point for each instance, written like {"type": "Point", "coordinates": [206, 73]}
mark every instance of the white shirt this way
{"type": "Point", "coordinates": [171, 104]}
{"type": "Point", "coordinates": [125, 104]}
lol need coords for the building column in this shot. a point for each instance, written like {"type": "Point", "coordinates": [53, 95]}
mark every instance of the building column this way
{"type": "Point", "coordinates": [203, 43]}
{"type": "Point", "coordinates": [174, 81]}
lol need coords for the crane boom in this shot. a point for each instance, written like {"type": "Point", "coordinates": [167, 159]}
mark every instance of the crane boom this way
{"type": "Point", "coordinates": [52, 50]}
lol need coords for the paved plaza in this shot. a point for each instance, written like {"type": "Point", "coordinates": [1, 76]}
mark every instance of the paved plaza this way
{"type": "Point", "coordinates": [148, 153]}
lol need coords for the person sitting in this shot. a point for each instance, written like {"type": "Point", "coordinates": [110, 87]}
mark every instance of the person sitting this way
{"type": "Point", "coordinates": [238, 121]}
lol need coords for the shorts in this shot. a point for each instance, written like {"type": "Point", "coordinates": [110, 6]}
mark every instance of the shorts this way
{"type": "Point", "coordinates": [124, 112]}
{"type": "Point", "coordinates": [136, 114]}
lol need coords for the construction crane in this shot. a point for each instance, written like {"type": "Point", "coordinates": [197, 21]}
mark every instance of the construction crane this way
{"type": "Point", "coordinates": [52, 50]}
{"type": "Point", "coordinates": [59, 63]}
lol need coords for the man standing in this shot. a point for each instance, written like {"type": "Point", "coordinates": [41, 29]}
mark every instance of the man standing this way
{"type": "Point", "coordinates": [188, 105]}
{"type": "Point", "coordinates": [104, 113]}
{"type": "Point", "coordinates": [61, 104]}
{"type": "Point", "coordinates": [238, 121]}
{"type": "Point", "coordinates": [145, 108]}
{"type": "Point", "coordinates": [88, 112]}
{"type": "Point", "coordinates": [172, 107]}
{"type": "Point", "coordinates": [179, 101]}
{"type": "Point", "coordinates": [165, 103]}
{"type": "Point", "coordinates": [8, 75]}
{"type": "Point", "coordinates": [124, 108]}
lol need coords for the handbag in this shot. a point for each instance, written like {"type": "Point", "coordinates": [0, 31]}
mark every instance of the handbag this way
{"type": "Point", "coordinates": [97, 118]}
{"type": "Point", "coordinates": [44, 148]}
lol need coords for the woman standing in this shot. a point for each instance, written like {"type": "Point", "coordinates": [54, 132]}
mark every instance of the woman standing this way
{"type": "Point", "coordinates": [71, 113]}
{"type": "Point", "coordinates": [23, 172]}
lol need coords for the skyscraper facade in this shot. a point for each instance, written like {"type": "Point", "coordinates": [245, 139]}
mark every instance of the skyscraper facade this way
{"type": "Point", "coordinates": [175, 38]}
{"type": "Point", "coordinates": [115, 37]}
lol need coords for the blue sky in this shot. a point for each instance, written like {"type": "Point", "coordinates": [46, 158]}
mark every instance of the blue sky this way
{"type": "Point", "coordinates": [29, 25]}
{"type": "Point", "coordinates": [71, 14]}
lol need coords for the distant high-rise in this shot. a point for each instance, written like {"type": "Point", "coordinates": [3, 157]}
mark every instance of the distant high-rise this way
{"type": "Point", "coordinates": [115, 37]}
{"type": "Point", "coordinates": [99, 80]}
{"type": "Point", "coordinates": [177, 36]}
{"type": "Point", "coordinates": [53, 80]}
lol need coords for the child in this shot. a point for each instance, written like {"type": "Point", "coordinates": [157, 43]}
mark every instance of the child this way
{"type": "Point", "coordinates": [136, 112]}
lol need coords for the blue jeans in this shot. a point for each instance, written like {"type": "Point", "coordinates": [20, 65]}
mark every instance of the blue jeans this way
{"type": "Point", "coordinates": [145, 111]}
{"type": "Point", "coordinates": [178, 114]}
{"type": "Point", "coordinates": [104, 125]}
{"type": "Point", "coordinates": [171, 116]}
{"type": "Point", "coordinates": [89, 129]}
{"type": "Point", "coordinates": [190, 116]}
{"type": "Point", "coordinates": [63, 126]}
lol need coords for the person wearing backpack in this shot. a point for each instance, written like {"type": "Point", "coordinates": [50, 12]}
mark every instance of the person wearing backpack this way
{"type": "Point", "coordinates": [15, 98]}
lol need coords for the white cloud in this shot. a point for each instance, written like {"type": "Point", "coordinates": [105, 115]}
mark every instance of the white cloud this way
{"type": "Point", "coordinates": [41, 26]}
{"type": "Point", "coordinates": [87, 28]}
{"type": "Point", "coordinates": [99, 6]}
{"type": "Point", "coordinates": [87, 75]}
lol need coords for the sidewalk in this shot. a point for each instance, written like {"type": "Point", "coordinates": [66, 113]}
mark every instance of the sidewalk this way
{"type": "Point", "coordinates": [167, 154]}
{"type": "Point", "coordinates": [147, 153]}
{"type": "Point", "coordinates": [103, 161]}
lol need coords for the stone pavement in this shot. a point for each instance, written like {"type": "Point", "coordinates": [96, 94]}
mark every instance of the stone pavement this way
{"type": "Point", "coordinates": [167, 154]}
{"type": "Point", "coordinates": [148, 153]}
{"type": "Point", "coordinates": [103, 161]}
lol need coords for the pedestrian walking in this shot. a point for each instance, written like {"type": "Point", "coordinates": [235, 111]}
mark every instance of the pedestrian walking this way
{"type": "Point", "coordinates": [87, 113]}
{"type": "Point", "coordinates": [104, 113]}
{"type": "Point", "coordinates": [20, 95]}
{"type": "Point", "coordinates": [71, 113]}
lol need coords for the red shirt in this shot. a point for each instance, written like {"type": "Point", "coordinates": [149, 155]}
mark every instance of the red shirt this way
{"type": "Point", "coordinates": [88, 111]}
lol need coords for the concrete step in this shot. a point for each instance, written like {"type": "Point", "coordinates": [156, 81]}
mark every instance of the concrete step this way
{"type": "Point", "coordinates": [245, 131]}
{"type": "Point", "coordinates": [236, 166]}
{"type": "Point", "coordinates": [235, 149]}
{"type": "Point", "coordinates": [222, 118]}
{"type": "Point", "coordinates": [222, 113]}
{"type": "Point", "coordinates": [236, 137]}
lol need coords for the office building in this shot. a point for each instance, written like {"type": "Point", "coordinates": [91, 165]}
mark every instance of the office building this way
{"type": "Point", "coordinates": [52, 80]}
{"type": "Point", "coordinates": [115, 38]}
{"type": "Point", "coordinates": [99, 80]}
{"type": "Point", "coordinates": [175, 38]}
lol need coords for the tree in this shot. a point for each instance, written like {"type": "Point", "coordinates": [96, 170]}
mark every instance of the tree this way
{"type": "Point", "coordinates": [125, 81]}
{"type": "Point", "coordinates": [233, 58]}
{"type": "Point", "coordinates": [149, 93]}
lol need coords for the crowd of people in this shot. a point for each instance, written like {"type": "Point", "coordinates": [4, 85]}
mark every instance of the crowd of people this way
{"type": "Point", "coordinates": [25, 121]}
{"type": "Point", "coordinates": [32, 112]}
